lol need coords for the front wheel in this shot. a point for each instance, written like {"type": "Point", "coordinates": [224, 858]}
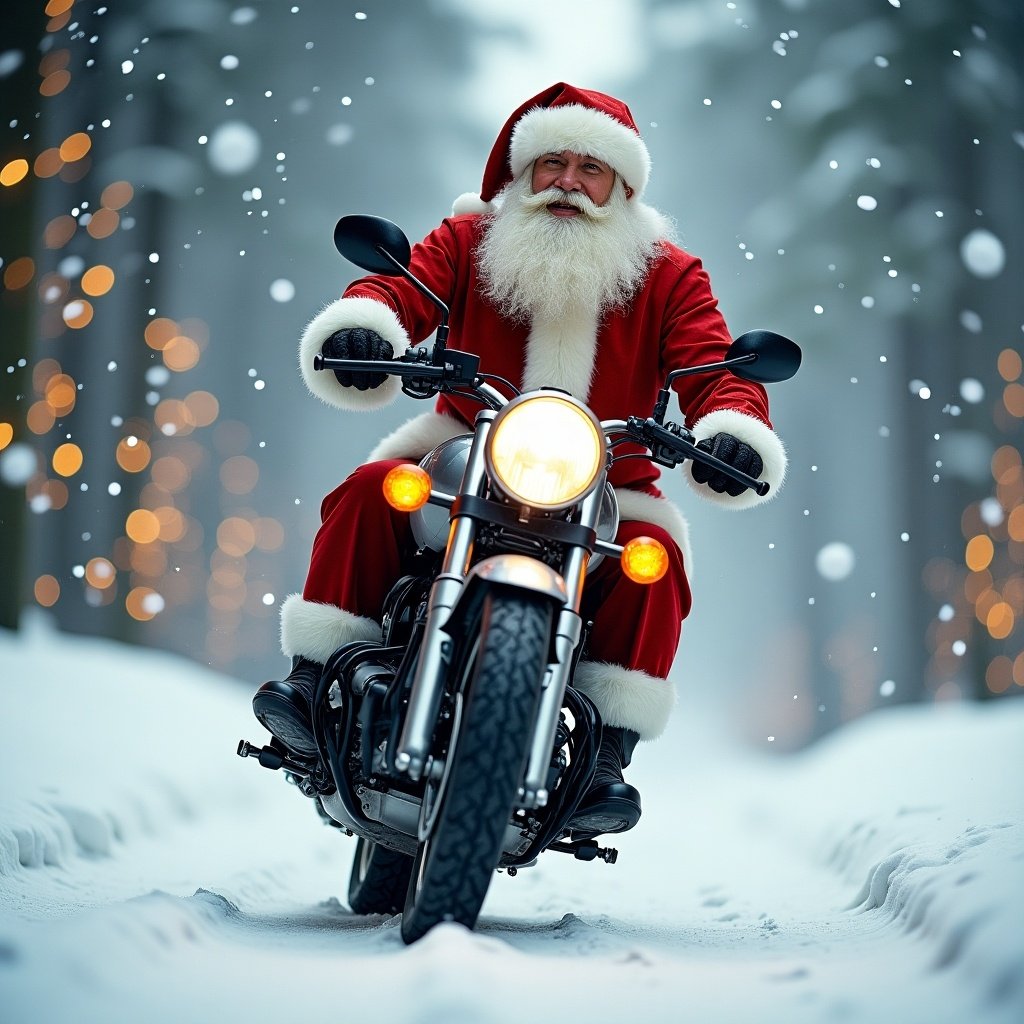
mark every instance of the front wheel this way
{"type": "Point", "coordinates": [485, 760]}
{"type": "Point", "coordinates": [379, 879]}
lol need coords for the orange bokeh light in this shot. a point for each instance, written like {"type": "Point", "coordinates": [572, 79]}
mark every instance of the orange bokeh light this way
{"type": "Point", "coordinates": [19, 272]}
{"type": "Point", "coordinates": [103, 223]}
{"type": "Point", "coordinates": [170, 474]}
{"type": "Point", "coordinates": [78, 313]}
{"type": "Point", "coordinates": [74, 147]}
{"type": "Point", "coordinates": [59, 231]}
{"type": "Point", "coordinates": [1000, 620]}
{"type": "Point", "coordinates": [133, 454]}
{"type": "Point", "coordinates": [67, 459]}
{"type": "Point", "coordinates": [180, 353]}
{"type": "Point", "coordinates": [40, 418]}
{"type": "Point", "coordinates": [203, 407]}
{"type": "Point", "coordinates": [142, 526]}
{"type": "Point", "coordinates": [236, 536]}
{"type": "Point", "coordinates": [1009, 364]}
{"type": "Point", "coordinates": [46, 590]}
{"type": "Point", "coordinates": [6, 435]}
{"type": "Point", "coordinates": [13, 172]}
{"type": "Point", "coordinates": [143, 603]}
{"type": "Point", "coordinates": [117, 195]}
{"type": "Point", "coordinates": [97, 280]}
{"type": "Point", "coordinates": [1013, 399]}
{"type": "Point", "coordinates": [48, 162]}
{"type": "Point", "coordinates": [979, 553]}
{"type": "Point", "coordinates": [100, 573]}
{"type": "Point", "coordinates": [55, 7]}
{"type": "Point", "coordinates": [159, 332]}
{"type": "Point", "coordinates": [55, 83]}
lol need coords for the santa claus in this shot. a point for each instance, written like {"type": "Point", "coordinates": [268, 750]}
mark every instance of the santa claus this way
{"type": "Point", "coordinates": [557, 274]}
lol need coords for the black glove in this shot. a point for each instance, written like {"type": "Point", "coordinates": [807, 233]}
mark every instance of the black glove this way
{"type": "Point", "coordinates": [358, 343]}
{"type": "Point", "coordinates": [729, 449]}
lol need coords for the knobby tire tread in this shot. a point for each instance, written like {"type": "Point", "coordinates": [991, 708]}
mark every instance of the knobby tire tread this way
{"type": "Point", "coordinates": [382, 889]}
{"type": "Point", "coordinates": [489, 759]}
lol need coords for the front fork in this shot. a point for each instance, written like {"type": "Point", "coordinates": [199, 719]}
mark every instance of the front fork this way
{"type": "Point", "coordinates": [437, 650]}
{"type": "Point", "coordinates": [438, 647]}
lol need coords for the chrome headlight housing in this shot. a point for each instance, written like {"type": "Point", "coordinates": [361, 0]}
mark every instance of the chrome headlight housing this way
{"type": "Point", "coordinates": [545, 450]}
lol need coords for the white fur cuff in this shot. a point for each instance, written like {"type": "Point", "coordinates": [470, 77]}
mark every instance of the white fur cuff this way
{"type": "Point", "coordinates": [757, 435]}
{"type": "Point", "coordinates": [417, 436]}
{"type": "Point", "coordinates": [356, 311]}
{"type": "Point", "coordinates": [315, 631]}
{"type": "Point", "coordinates": [627, 698]}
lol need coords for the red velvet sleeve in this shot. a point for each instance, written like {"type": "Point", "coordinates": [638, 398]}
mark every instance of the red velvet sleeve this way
{"type": "Point", "coordinates": [695, 332]}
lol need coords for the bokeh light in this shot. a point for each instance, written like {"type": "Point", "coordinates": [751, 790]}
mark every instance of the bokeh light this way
{"type": "Point", "coordinates": [67, 459]}
{"type": "Point", "coordinates": [13, 172]}
{"type": "Point", "coordinates": [46, 590]}
{"type": "Point", "coordinates": [133, 454]}
{"type": "Point", "coordinates": [98, 280]}
{"type": "Point", "coordinates": [100, 573]}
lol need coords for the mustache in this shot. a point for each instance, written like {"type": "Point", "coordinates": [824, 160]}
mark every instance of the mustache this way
{"type": "Point", "coordinates": [582, 202]}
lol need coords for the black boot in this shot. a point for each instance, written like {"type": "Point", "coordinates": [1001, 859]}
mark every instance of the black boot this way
{"type": "Point", "coordinates": [610, 805]}
{"type": "Point", "coordinates": [285, 707]}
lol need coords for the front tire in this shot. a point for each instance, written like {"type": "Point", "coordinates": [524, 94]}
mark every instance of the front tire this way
{"type": "Point", "coordinates": [379, 879]}
{"type": "Point", "coordinates": [487, 754]}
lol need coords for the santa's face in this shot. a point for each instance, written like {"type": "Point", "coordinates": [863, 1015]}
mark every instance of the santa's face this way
{"type": "Point", "coordinates": [571, 172]}
{"type": "Point", "coordinates": [552, 253]}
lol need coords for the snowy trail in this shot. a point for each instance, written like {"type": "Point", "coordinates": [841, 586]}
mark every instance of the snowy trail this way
{"type": "Point", "coordinates": [878, 878]}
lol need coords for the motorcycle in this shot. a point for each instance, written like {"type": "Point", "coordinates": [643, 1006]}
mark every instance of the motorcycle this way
{"type": "Point", "coordinates": [456, 744]}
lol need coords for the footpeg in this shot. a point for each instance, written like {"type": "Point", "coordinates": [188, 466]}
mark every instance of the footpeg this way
{"type": "Point", "coordinates": [587, 849]}
{"type": "Point", "coordinates": [274, 759]}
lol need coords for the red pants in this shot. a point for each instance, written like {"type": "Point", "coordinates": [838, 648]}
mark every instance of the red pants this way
{"type": "Point", "coordinates": [362, 544]}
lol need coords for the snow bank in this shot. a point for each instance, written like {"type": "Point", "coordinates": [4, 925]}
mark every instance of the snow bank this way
{"type": "Point", "coordinates": [148, 873]}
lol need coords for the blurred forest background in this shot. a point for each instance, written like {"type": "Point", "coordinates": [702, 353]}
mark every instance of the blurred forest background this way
{"type": "Point", "coordinates": [851, 174]}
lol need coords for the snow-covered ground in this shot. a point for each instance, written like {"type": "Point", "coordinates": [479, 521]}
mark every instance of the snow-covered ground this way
{"type": "Point", "coordinates": [147, 873]}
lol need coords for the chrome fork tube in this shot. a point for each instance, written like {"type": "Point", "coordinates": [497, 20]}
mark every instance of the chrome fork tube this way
{"type": "Point", "coordinates": [567, 636]}
{"type": "Point", "coordinates": [436, 651]}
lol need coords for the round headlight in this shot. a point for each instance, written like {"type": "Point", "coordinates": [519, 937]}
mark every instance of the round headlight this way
{"type": "Point", "coordinates": [545, 451]}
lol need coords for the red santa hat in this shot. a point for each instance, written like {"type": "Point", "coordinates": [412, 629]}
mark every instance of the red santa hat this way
{"type": "Point", "coordinates": [563, 117]}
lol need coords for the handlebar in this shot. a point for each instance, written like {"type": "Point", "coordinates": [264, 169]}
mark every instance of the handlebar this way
{"type": "Point", "coordinates": [459, 370]}
{"type": "Point", "coordinates": [397, 368]}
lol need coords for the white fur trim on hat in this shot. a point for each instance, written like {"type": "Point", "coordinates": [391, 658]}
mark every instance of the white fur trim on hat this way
{"type": "Point", "coordinates": [627, 698]}
{"type": "Point", "coordinates": [641, 507]}
{"type": "Point", "coordinates": [415, 437]}
{"type": "Point", "coordinates": [760, 437]}
{"type": "Point", "coordinates": [470, 202]}
{"type": "Point", "coordinates": [582, 130]}
{"type": "Point", "coordinates": [356, 311]}
{"type": "Point", "coordinates": [314, 630]}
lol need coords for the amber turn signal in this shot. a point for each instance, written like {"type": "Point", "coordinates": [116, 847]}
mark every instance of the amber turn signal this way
{"type": "Point", "coordinates": [644, 560]}
{"type": "Point", "coordinates": [407, 488]}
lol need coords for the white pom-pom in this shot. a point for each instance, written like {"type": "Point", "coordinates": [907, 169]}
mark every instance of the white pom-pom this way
{"type": "Point", "coordinates": [470, 202]}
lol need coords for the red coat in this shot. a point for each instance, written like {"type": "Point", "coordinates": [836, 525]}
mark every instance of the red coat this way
{"type": "Point", "coordinates": [672, 322]}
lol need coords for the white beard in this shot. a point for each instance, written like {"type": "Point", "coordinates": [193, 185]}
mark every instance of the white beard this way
{"type": "Point", "coordinates": [560, 275]}
{"type": "Point", "coordinates": [538, 266]}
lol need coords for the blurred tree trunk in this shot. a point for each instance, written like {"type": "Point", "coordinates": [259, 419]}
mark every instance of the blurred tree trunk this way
{"type": "Point", "coordinates": [22, 31]}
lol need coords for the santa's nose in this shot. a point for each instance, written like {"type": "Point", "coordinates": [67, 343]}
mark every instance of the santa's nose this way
{"type": "Point", "coordinates": [567, 181]}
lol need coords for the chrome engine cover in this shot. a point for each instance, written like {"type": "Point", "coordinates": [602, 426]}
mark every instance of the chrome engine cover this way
{"type": "Point", "coordinates": [446, 465]}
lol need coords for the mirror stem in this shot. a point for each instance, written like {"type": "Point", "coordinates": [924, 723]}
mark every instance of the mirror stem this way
{"type": "Point", "coordinates": [750, 357]}
{"type": "Point", "coordinates": [442, 330]}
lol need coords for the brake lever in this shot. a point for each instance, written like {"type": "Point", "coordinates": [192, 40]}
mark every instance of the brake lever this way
{"type": "Point", "coordinates": [670, 448]}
